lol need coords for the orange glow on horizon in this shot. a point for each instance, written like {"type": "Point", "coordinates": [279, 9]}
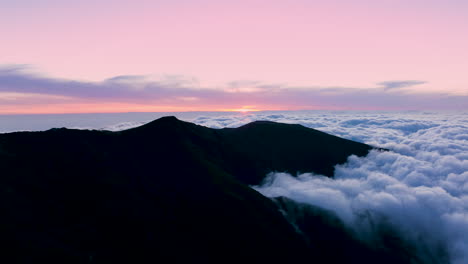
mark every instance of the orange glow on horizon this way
{"type": "Point", "coordinates": [244, 109]}
{"type": "Point", "coordinates": [96, 107]}
{"type": "Point", "coordinates": [84, 108]}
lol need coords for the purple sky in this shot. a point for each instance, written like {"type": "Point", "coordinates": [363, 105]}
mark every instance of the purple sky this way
{"type": "Point", "coordinates": [106, 56]}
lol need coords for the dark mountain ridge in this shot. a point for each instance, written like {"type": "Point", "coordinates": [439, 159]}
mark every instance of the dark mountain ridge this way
{"type": "Point", "coordinates": [168, 191]}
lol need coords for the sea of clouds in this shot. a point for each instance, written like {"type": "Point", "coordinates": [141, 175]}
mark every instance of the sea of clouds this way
{"type": "Point", "coordinates": [419, 187]}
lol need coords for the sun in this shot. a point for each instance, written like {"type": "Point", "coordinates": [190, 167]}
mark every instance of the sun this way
{"type": "Point", "coordinates": [244, 109]}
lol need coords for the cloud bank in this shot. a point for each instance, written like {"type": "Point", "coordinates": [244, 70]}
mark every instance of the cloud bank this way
{"type": "Point", "coordinates": [132, 92]}
{"type": "Point", "coordinates": [419, 188]}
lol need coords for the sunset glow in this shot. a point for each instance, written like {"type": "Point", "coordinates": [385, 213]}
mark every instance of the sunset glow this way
{"type": "Point", "coordinates": [214, 55]}
{"type": "Point", "coordinates": [245, 109]}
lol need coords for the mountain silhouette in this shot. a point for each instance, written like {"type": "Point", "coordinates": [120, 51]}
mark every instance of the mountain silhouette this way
{"type": "Point", "coordinates": [169, 192]}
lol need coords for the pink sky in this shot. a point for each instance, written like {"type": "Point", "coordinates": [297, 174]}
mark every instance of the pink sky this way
{"type": "Point", "coordinates": [315, 44]}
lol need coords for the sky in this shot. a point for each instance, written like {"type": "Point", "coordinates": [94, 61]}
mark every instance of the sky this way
{"type": "Point", "coordinates": [179, 55]}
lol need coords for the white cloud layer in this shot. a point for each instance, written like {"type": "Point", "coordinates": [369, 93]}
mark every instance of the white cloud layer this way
{"type": "Point", "coordinates": [420, 187]}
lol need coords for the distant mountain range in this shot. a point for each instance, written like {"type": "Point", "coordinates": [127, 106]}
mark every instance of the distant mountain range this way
{"type": "Point", "coordinates": [172, 192]}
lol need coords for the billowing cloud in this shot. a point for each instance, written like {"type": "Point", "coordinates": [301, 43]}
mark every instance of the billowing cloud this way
{"type": "Point", "coordinates": [419, 188]}
{"type": "Point", "coordinates": [175, 91]}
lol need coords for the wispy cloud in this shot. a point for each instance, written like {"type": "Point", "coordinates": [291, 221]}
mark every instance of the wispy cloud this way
{"type": "Point", "coordinates": [388, 85]}
{"type": "Point", "coordinates": [174, 91]}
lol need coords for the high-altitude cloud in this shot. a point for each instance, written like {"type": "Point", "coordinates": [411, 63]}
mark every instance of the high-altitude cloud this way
{"type": "Point", "coordinates": [169, 91]}
{"type": "Point", "coordinates": [128, 87]}
{"type": "Point", "coordinates": [388, 85]}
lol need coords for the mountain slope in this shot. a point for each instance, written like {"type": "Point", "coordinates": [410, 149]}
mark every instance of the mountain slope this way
{"type": "Point", "coordinates": [268, 146]}
{"type": "Point", "coordinates": [253, 150]}
{"type": "Point", "coordinates": [168, 191]}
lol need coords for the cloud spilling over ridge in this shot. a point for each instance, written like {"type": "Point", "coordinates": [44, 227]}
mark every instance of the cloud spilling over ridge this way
{"type": "Point", "coordinates": [428, 218]}
{"type": "Point", "coordinates": [419, 188]}
{"type": "Point", "coordinates": [144, 93]}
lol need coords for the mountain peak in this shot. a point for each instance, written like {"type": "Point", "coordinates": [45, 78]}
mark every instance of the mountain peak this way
{"type": "Point", "coordinates": [166, 121]}
{"type": "Point", "coordinates": [166, 181]}
{"type": "Point", "coordinates": [168, 118]}
{"type": "Point", "coordinates": [263, 123]}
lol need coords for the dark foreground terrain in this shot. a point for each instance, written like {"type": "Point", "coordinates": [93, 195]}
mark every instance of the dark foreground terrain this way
{"type": "Point", "coordinates": [172, 192]}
